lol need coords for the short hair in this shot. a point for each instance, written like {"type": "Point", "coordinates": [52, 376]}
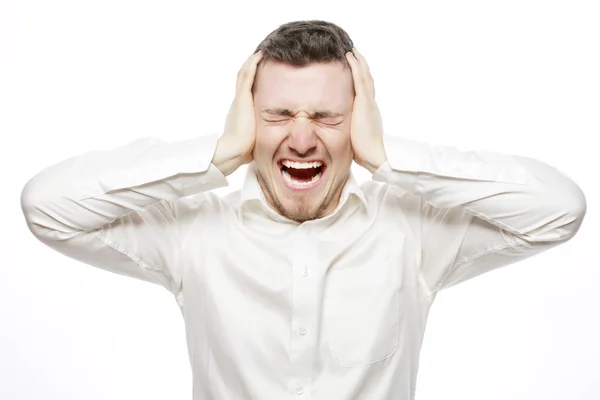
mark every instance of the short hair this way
{"type": "Point", "coordinates": [300, 43]}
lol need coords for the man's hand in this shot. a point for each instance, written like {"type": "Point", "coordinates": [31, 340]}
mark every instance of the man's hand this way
{"type": "Point", "coordinates": [235, 146]}
{"type": "Point", "coordinates": [366, 127]}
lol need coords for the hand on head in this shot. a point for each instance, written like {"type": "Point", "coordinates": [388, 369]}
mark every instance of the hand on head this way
{"type": "Point", "coordinates": [237, 142]}
{"type": "Point", "coordinates": [236, 145]}
{"type": "Point", "coordinates": [366, 132]}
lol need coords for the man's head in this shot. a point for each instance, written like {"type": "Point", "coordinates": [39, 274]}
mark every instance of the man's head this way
{"type": "Point", "coordinates": [303, 97]}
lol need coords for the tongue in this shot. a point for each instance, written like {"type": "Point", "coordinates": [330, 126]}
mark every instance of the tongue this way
{"type": "Point", "coordinates": [302, 174]}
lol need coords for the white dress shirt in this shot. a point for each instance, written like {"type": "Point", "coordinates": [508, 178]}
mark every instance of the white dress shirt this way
{"type": "Point", "coordinates": [329, 309]}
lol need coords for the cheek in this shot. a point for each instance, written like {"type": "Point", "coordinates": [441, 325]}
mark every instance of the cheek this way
{"type": "Point", "coordinates": [266, 142]}
{"type": "Point", "coordinates": [340, 150]}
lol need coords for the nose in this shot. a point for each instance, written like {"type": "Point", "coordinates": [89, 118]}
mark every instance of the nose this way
{"type": "Point", "coordinates": [302, 138]}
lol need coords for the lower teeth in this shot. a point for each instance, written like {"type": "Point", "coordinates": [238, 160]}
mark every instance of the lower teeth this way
{"type": "Point", "coordinates": [288, 178]}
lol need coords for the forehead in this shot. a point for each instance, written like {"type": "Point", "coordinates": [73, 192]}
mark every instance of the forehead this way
{"type": "Point", "coordinates": [312, 86]}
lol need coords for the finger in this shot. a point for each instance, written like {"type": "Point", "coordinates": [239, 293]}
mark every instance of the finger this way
{"type": "Point", "coordinates": [369, 84]}
{"type": "Point", "coordinates": [362, 61]}
{"type": "Point", "coordinates": [356, 74]}
{"type": "Point", "coordinates": [247, 72]}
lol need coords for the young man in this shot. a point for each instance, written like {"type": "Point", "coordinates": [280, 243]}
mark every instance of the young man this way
{"type": "Point", "coordinates": [303, 283]}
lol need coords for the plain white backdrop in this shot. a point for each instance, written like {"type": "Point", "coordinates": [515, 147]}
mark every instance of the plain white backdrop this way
{"type": "Point", "coordinates": [518, 77]}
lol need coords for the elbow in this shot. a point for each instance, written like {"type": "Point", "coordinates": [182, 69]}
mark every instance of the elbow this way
{"type": "Point", "coordinates": [576, 209]}
{"type": "Point", "coordinates": [29, 206]}
{"type": "Point", "coordinates": [557, 205]}
{"type": "Point", "coordinates": [28, 194]}
{"type": "Point", "coordinates": [37, 214]}
{"type": "Point", "coordinates": [558, 218]}
{"type": "Point", "coordinates": [572, 213]}
{"type": "Point", "coordinates": [570, 201]}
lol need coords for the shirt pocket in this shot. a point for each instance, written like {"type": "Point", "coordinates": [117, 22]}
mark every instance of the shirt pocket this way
{"type": "Point", "coordinates": [362, 316]}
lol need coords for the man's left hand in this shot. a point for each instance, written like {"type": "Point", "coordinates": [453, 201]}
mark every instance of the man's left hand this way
{"type": "Point", "coordinates": [366, 127]}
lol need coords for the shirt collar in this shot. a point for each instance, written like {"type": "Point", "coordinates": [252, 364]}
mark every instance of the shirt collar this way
{"type": "Point", "coordinates": [251, 189]}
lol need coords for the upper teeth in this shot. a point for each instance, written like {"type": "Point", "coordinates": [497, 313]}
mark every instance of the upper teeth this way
{"type": "Point", "coordinates": [301, 165]}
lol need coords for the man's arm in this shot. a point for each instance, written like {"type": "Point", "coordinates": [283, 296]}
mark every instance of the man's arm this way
{"type": "Point", "coordinates": [116, 209]}
{"type": "Point", "coordinates": [480, 210]}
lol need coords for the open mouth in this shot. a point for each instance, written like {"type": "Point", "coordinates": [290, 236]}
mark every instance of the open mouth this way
{"type": "Point", "coordinates": [301, 175]}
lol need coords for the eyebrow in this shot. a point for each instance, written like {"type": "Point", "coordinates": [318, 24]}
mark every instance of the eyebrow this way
{"type": "Point", "coordinates": [316, 114]}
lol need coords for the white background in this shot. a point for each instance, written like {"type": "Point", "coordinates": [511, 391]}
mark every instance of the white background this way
{"type": "Point", "coordinates": [517, 76]}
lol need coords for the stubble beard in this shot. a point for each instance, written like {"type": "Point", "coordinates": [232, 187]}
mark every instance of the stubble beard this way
{"type": "Point", "coordinates": [301, 211]}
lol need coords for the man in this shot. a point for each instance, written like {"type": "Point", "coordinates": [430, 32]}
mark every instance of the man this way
{"type": "Point", "coordinates": [303, 284]}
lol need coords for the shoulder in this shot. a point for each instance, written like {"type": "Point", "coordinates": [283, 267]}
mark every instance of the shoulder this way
{"type": "Point", "coordinates": [381, 193]}
{"type": "Point", "coordinates": [207, 202]}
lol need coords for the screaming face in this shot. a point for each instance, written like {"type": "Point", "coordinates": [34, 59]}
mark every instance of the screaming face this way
{"type": "Point", "coordinates": [302, 153]}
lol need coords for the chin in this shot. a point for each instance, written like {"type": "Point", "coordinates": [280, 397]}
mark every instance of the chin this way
{"type": "Point", "coordinates": [301, 209]}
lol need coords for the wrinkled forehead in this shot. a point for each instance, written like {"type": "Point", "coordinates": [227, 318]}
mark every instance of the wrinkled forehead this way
{"type": "Point", "coordinates": [313, 86]}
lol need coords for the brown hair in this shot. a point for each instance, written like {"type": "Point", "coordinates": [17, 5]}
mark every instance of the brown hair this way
{"type": "Point", "coordinates": [300, 43]}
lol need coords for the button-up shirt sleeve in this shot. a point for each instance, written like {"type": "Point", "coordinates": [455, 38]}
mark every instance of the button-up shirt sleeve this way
{"type": "Point", "coordinates": [115, 209]}
{"type": "Point", "coordinates": [480, 210]}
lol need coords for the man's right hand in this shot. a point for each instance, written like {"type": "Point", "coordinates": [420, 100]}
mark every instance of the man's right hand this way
{"type": "Point", "coordinates": [235, 146]}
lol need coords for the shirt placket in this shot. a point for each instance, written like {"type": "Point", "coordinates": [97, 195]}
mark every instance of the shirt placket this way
{"type": "Point", "coordinates": [305, 315]}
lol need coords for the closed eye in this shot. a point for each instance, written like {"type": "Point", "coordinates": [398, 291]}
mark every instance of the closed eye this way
{"type": "Point", "coordinates": [326, 121]}
{"type": "Point", "coordinates": [329, 120]}
{"type": "Point", "coordinates": [283, 115]}
{"type": "Point", "coordinates": [276, 120]}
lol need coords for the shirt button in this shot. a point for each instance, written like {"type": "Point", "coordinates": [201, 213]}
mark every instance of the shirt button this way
{"type": "Point", "coordinates": [299, 390]}
{"type": "Point", "coordinates": [305, 272]}
{"type": "Point", "coordinates": [303, 330]}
